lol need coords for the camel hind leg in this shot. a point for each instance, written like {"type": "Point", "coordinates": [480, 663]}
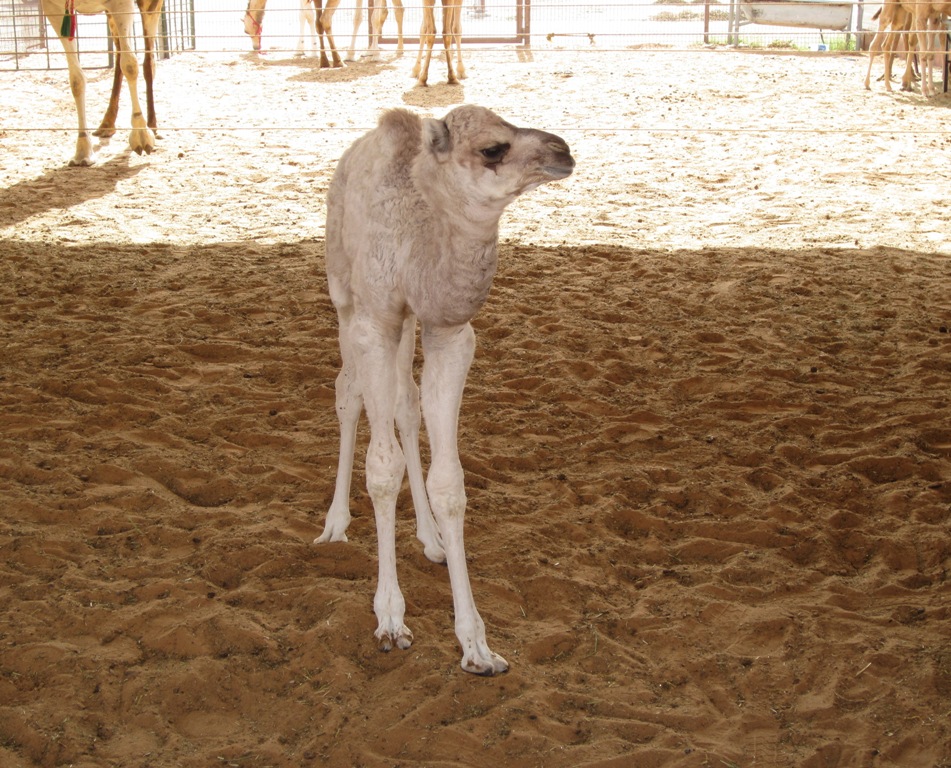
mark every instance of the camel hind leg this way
{"type": "Point", "coordinates": [427, 38]}
{"type": "Point", "coordinates": [349, 407]}
{"type": "Point", "coordinates": [452, 38]}
{"type": "Point", "coordinates": [326, 29]}
{"type": "Point", "coordinates": [141, 138]}
{"type": "Point", "coordinates": [357, 21]}
{"type": "Point", "coordinates": [398, 12]}
{"type": "Point", "coordinates": [77, 84]}
{"type": "Point", "coordinates": [107, 127]}
{"type": "Point", "coordinates": [308, 27]}
{"type": "Point", "coordinates": [377, 20]}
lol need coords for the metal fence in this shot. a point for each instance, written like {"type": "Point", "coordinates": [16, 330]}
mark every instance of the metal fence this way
{"type": "Point", "coordinates": [26, 41]}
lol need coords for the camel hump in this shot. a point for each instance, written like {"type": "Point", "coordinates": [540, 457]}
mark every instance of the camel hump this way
{"type": "Point", "coordinates": [401, 126]}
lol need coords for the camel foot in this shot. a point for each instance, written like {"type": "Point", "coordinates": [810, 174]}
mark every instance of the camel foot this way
{"type": "Point", "coordinates": [488, 664]}
{"type": "Point", "coordinates": [394, 637]}
{"type": "Point", "coordinates": [141, 140]}
{"type": "Point", "coordinates": [84, 153]}
{"type": "Point", "coordinates": [335, 529]}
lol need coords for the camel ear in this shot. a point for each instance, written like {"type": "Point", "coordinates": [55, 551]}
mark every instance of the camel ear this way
{"type": "Point", "coordinates": [436, 138]}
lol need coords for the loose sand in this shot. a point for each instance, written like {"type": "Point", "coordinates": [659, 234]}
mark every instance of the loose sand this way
{"type": "Point", "coordinates": [707, 434]}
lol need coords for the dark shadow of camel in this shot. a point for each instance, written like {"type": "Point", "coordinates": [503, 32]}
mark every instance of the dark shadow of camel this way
{"type": "Point", "coordinates": [311, 71]}
{"type": "Point", "coordinates": [61, 188]}
{"type": "Point", "coordinates": [438, 95]}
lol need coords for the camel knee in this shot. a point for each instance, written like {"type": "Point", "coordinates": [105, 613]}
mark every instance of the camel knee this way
{"type": "Point", "coordinates": [77, 84]}
{"type": "Point", "coordinates": [446, 489]}
{"type": "Point", "coordinates": [130, 68]}
{"type": "Point", "coordinates": [348, 399]}
{"type": "Point", "coordinates": [384, 470]}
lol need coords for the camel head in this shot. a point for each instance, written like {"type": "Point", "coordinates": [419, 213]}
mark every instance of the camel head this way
{"type": "Point", "coordinates": [488, 160]}
{"type": "Point", "coordinates": [254, 22]}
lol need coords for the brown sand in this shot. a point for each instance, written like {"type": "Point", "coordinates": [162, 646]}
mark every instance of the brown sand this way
{"type": "Point", "coordinates": [707, 433]}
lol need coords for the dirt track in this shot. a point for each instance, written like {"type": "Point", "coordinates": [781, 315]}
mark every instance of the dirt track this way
{"type": "Point", "coordinates": [707, 433]}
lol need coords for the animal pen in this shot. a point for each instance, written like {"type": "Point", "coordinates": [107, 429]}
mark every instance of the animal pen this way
{"type": "Point", "coordinates": [706, 435]}
{"type": "Point", "coordinates": [26, 41]}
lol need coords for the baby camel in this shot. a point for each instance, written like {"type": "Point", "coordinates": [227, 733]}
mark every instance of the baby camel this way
{"type": "Point", "coordinates": [412, 233]}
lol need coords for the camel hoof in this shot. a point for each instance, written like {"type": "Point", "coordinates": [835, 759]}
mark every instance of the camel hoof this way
{"type": "Point", "coordinates": [329, 535]}
{"type": "Point", "coordinates": [488, 666]}
{"type": "Point", "coordinates": [402, 639]}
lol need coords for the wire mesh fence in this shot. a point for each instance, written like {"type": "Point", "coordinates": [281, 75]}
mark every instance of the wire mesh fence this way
{"type": "Point", "coordinates": [27, 41]}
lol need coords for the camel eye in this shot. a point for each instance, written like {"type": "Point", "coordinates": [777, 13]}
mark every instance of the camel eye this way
{"type": "Point", "coordinates": [495, 153]}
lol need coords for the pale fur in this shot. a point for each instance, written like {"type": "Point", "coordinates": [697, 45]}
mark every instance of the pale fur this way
{"type": "Point", "coordinates": [412, 231]}
{"type": "Point", "coordinates": [119, 14]}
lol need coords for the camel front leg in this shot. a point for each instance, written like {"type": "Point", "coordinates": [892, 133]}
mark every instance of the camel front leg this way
{"type": "Point", "coordinates": [375, 351]}
{"type": "Point", "coordinates": [398, 12]}
{"type": "Point", "coordinates": [448, 355]}
{"type": "Point", "coordinates": [141, 138]}
{"type": "Point", "coordinates": [929, 47]}
{"type": "Point", "coordinates": [77, 84]}
{"type": "Point", "coordinates": [873, 50]}
{"type": "Point", "coordinates": [377, 20]}
{"type": "Point", "coordinates": [357, 21]}
{"type": "Point", "coordinates": [326, 22]}
{"type": "Point", "coordinates": [408, 421]}
{"type": "Point", "coordinates": [912, 39]}
{"type": "Point", "coordinates": [427, 38]}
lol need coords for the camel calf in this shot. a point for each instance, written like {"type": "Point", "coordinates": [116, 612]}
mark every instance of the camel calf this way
{"type": "Point", "coordinates": [412, 233]}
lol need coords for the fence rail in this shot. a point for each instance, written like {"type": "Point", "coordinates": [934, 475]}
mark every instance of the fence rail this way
{"type": "Point", "coordinates": [26, 41]}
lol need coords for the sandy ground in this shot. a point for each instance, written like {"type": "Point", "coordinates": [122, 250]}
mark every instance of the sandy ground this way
{"type": "Point", "coordinates": [707, 433]}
